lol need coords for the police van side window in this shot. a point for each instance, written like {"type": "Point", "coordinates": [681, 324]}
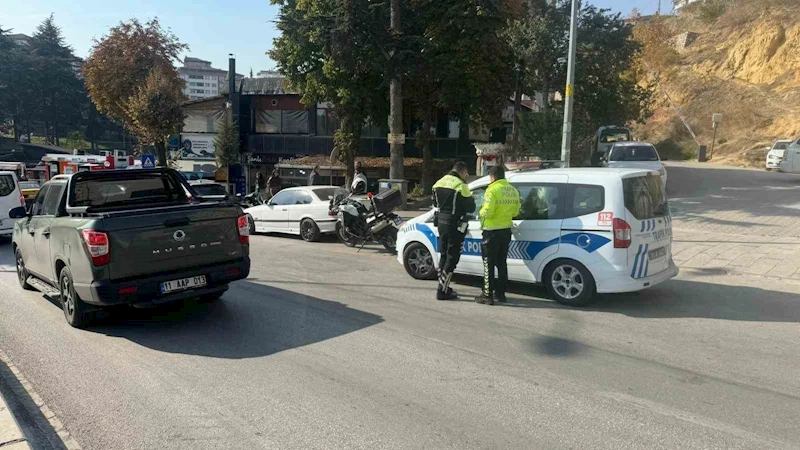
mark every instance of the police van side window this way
{"type": "Point", "coordinates": [583, 199]}
{"type": "Point", "coordinates": [541, 201]}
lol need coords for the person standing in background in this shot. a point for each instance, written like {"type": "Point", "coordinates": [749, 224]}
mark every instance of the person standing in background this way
{"type": "Point", "coordinates": [500, 205]}
{"type": "Point", "coordinates": [261, 186]}
{"type": "Point", "coordinates": [315, 179]}
{"type": "Point", "coordinates": [274, 183]}
{"type": "Point", "coordinates": [359, 185]}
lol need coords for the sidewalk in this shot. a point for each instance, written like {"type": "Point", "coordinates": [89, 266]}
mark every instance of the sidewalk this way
{"type": "Point", "coordinates": [11, 437]}
{"type": "Point", "coordinates": [754, 255]}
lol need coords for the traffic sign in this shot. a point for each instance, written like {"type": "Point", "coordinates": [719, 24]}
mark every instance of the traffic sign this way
{"type": "Point", "coordinates": [148, 161]}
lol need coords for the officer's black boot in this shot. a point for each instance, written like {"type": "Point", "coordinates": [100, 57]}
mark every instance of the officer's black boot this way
{"type": "Point", "coordinates": [443, 291]}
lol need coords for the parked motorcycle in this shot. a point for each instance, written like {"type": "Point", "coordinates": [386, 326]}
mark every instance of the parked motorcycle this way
{"type": "Point", "coordinates": [358, 224]}
{"type": "Point", "coordinates": [249, 200]}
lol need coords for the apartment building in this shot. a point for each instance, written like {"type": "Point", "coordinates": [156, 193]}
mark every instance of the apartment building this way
{"type": "Point", "coordinates": [202, 80]}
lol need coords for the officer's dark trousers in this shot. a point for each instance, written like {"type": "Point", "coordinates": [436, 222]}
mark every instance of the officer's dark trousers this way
{"type": "Point", "coordinates": [450, 241]}
{"type": "Point", "coordinates": [494, 248]}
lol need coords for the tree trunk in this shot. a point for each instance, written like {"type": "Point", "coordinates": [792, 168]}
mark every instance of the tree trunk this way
{"type": "Point", "coordinates": [17, 129]}
{"type": "Point", "coordinates": [545, 92]}
{"type": "Point", "coordinates": [427, 158]}
{"type": "Point", "coordinates": [161, 153]}
{"type": "Point", "coordinates": [395, 102]}
{"type": "Point", "coordinates": [517, 108]}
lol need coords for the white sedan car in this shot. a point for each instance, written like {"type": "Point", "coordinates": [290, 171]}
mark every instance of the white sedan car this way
{"type": "Point", "coordinates": [636, 155]}
{"type": "Point", "coordinates": [298, 210]}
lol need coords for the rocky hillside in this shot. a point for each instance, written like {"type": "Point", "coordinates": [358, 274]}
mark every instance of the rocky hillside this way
{"type": "Point", "coordinates": [745, 65]}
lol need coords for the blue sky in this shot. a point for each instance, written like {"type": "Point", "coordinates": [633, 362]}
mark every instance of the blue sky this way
{"type": "Point", "coordinates": [212, 28]}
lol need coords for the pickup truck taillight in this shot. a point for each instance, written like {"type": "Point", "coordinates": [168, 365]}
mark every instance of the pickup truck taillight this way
{"type": "Point", "coordinates": [244, 229]}
{"type": "Point", "coordinates": [97, 245]}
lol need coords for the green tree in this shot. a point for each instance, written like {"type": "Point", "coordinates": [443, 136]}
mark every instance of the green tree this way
{"type": "Point", "coordinates": [606, 90]}
{"type": "Point", "coordinates": [469, 77]}
{"type": "Point", "coordinates": [154, 110]}
{"type": "Point", "coordinates": [59, 90]}
{"type": "Point", "coordinates": [337, 51]}
{"type": "Point", "coordinates": [226, 144]}
{"type": "Point", "coordinates": [124, 61]}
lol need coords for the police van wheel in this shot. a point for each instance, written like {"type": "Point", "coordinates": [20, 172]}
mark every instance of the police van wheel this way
{"type": "Point", "coordinates": [569, 282]}
{"type": "Point", "coordinates": [418, 261]}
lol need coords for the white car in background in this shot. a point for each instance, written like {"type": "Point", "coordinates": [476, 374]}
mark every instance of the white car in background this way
{"type": "Point", "coordinates": [299, 210]}
{"type": "Point", "coordinates": [636, 155]}
{"type": "Point", "coordinates": [777, 153]}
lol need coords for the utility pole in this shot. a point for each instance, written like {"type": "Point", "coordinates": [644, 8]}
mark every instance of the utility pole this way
{"type": "Point", "coordinates": [566, 141]}
{"type": "Point", "coordinates": [396, 137]}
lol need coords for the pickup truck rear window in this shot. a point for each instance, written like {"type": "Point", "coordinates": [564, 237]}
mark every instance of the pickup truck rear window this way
{"type": "Point", "coordinates": [150, 188]}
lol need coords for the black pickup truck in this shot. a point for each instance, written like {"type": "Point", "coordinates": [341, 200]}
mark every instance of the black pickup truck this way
{"type": "Point", "coordinates": [127, 237]}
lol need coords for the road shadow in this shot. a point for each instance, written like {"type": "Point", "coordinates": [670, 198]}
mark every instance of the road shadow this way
{"type": "Point", "coordinates": [251, 320]}
{"type": "Point", "coordinates": [672, 299]}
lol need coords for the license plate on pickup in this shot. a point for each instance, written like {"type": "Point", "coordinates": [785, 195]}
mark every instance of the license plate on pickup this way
{"type": "Point", "coordinates": [183, 284]}
{"type": "Point", "coordinates": [398, 221]}
{"type": "Point", "coordinates": [657, 253]}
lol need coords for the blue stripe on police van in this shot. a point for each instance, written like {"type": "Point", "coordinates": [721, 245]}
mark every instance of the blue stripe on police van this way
{"type": "Point", "coordinates": [642, 230]}
{"type": "Point", "coordinates": [646, 266]}
{"type": "Point", "coordinates": [525, 250]}
{"type": "Point", "coordinates": [644, 259]}
{"type": "Point", "coordinates": [636, 261]}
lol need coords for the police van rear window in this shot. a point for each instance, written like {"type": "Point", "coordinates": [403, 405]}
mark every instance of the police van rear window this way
{"type": "Point", "coordinates": [644, 197]}
{"type": "Point", "coordinates": [7, 185]}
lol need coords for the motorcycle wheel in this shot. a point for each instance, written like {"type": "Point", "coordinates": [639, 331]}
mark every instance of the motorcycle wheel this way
{"type": "Point", "coordinates": [345, 237]}
{"type": "Point", "coordinates": [388, 238]}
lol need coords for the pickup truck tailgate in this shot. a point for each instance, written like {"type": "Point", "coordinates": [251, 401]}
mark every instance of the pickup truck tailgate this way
{"type": "Point", "coordinates": [157, 241]}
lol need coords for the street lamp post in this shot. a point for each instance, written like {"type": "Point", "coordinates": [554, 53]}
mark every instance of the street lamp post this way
{"type": "Point", "coordinates": [566, 141]}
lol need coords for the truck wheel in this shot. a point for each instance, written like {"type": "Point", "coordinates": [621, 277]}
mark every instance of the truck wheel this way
{"type": "Point", "coordinates": [75, 310]}
{"type": "Point", "coordinates": [22, 272]}
{"type": "Point", "coordinates": [418, 261]}
{"type": "Point", "coordinates": [309, 230]}
{"type": "Point", "coordinates": [569, 282]}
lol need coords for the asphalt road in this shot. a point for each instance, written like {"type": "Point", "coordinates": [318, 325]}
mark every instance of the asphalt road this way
{"type": "Point", "coordinates": [326, 348]}
{"type": "Point", "coordinates": [729, 200]}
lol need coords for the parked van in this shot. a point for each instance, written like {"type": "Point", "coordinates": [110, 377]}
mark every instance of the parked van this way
{"type": "Point", "coordinates": [791, 158]}
{"type": "Point", "coordinates": [580, 231]}
{"type": "Point", "coordinates": [10, 197]}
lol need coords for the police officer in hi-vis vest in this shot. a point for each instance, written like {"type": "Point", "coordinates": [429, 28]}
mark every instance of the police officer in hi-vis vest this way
{"type": "Point", "coordinates": [500, 205]}
{"type": "Point", "coordinates": [453, 201]}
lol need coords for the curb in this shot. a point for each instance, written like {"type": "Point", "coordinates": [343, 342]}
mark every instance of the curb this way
{"type": "Point", "coordinates": [11, 436]}
{"type": "Point", "coordinates": [45, 430]}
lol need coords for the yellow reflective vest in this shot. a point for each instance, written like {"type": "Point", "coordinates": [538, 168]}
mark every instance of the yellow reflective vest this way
{"type": "Point", "coordinates": [500, 205]}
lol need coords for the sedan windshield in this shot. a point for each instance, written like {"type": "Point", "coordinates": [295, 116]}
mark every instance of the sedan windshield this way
{"type": "Point", "coordinates": [634, 153]}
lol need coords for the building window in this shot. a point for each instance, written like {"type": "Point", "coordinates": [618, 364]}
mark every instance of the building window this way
{"type": "Point", "coordinates": [282, 122]}
{"type": "Point", "coordinates": [195, 77]}
{"type": "Point", "coordinates": [327, 123]}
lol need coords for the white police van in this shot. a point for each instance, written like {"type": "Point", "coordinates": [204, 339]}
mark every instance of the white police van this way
{"type": "Point", "coordinates": [580, 231]}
